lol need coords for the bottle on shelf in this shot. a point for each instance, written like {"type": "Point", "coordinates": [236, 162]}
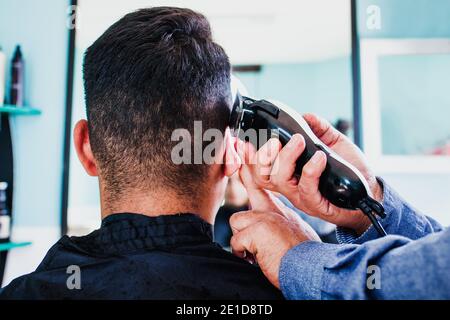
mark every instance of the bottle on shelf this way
{"type": "Point", "coordinates": [17, 78]}
{"type": "Point", "coordinates": [2, 76]}
{"type": "Point", "coordinates": [5, 217]}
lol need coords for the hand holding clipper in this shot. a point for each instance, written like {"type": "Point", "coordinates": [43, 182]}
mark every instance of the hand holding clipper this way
{"type": "Point", "coordinates": [341, 188]}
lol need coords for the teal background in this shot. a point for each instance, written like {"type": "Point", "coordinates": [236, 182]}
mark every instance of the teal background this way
{"type": "Point", "coordinates": [323, 87]}
{"type": "Point", "coordinates": [40, 28]}
{"type": "Point", "coordinates": [414, 90]}
{"type": "Point", "coordinates": [407, 18]}
{"type": "Point", "coordinates": [415, 103]}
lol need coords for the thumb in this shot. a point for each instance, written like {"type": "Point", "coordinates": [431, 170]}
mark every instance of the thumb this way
{"type": "Point", "coordinates": [259, 198]}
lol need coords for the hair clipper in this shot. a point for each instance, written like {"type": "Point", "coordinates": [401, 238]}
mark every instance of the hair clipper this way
{"type": "Point", "coordinates": [341, 183]}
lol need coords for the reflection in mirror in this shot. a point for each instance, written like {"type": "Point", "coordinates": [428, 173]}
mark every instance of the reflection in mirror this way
{"type": "Point", "coordinates": [297, 52]}
{"type": "Point", "coordinates": [405, 98]}
{"type": "Point", "coordinates": [414, 93]}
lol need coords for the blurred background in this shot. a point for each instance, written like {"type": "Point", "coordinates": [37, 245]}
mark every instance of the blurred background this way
{"type": "Point", "coordinates": [379, 70]}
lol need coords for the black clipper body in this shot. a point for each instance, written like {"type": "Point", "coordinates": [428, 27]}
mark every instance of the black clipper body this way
{"type": "Point", "coordinates": [341, 183]}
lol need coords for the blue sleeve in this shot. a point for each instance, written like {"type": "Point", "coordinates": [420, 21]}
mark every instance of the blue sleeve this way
{"type": "Point", "coordinates": [412, 262]}
{"type": "Point", "coordinates": [401, 219]}
{"type": "Point", "coordinates": [392, 267]}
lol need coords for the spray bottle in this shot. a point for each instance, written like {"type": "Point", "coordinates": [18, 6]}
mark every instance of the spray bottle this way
{"type": "Point", "coordinates": [5, 217]}
{"type": "Point", "coordinates": [17, 78]}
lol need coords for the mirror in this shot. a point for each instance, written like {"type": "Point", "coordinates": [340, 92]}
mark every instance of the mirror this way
{"type": "Point", "coordinates": [405, 100]}
{"type": "Point", "coordinates": [297, 52]}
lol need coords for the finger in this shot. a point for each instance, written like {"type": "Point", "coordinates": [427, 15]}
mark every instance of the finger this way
{"type": "Point", "coordinates": [246, 151]}
{"type": "Point", "coordinates": [284, 165]}
{"type": "Point", "coordinates": [322, 129]}
{"type": "Point", "coordinates": [309, 182]}
{"type": "Point", "coordinates": [241, 243]}
{"type": "Point", "coordinates": [265, 158]}
{"type": "Point", "coordinates": [243, 219]}
{"type": "Point", "coordinates": [259, 198]}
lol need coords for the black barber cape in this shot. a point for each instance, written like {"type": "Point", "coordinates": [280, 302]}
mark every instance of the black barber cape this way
{"type": "Point", "coordinates": [133, 256]}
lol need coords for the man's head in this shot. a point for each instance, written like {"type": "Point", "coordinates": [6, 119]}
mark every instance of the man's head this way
{"type": "Point", "coordinates": [152, 72]}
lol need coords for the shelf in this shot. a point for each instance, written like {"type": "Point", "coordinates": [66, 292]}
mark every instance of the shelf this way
{"type": "Point", "coordinates": [11, 245]}
{"type": "Point", "coordinates": [15, 110]}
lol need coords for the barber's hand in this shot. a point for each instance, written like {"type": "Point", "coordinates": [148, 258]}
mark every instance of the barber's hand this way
{"type": "Point", "coordinates": [268, 231]}
{"type": "Point", "coordinates": [272, 168]}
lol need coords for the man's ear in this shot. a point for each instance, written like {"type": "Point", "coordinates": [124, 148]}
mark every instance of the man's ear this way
{"type": "Point", "coordinates": [232, 161]}
{"type": "Point", "coordinates": [83, 147]}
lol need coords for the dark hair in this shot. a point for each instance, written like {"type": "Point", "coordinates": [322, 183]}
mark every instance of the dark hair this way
{"type": "Point", "coordinates": [153, 71]}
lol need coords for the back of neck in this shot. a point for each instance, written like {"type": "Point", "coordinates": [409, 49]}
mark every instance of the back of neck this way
{"type": "Point", "coordinates": [156, 203]}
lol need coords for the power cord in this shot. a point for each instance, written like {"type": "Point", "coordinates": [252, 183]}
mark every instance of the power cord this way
{"type": "Point", "coordinates": [370, 206]}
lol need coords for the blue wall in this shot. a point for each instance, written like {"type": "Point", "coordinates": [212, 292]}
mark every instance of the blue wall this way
{"type": "Point", "coordinates": [415, 103]}
{"type": "Point", "coordinates": [323, 87]}
{"type": "Point", "coordinates": [407, 18]}
{"type": "Point", "coordinates": [412, 88]}
{"type": "Point", "coordinates": [40, 27]}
